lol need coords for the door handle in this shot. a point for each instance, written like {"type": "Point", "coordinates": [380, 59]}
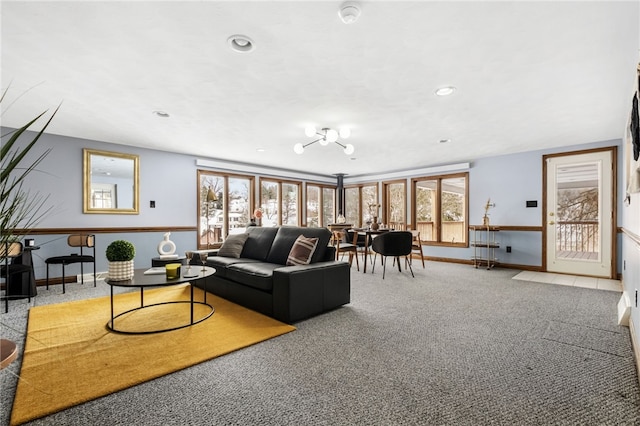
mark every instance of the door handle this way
{"type": "Point", "coordinates": [551, 222]}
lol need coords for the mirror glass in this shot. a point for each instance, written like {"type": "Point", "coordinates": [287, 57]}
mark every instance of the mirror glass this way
{"type": "Point", "coordinates": [110, 182]}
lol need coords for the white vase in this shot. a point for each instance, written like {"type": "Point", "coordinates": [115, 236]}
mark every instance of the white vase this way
{"type": "Point", "coordinates": [121, 271]}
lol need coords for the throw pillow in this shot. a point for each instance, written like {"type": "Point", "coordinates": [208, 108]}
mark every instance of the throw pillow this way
{"type": "Point", "coordinates": [302, 251]}
{"type": "Point", "coordinates": [232, 246]}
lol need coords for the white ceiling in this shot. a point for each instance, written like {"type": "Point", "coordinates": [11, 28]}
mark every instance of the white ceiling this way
{"type": "Point", "coordinates": [529, 75]}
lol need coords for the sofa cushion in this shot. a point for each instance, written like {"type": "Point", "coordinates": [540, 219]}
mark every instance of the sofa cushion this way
{"type": "Point", "coordinates": [302, 251]}
{"type": "Point", "coordinates": [221, 263]}
{"type": "Point", "coordinates": [259, 242]}
{"type": "Point", "coordinates": [233, 245]}
{"type": "Point", "coordinates": [254, 274]}
{"type": "Point", "coordinates": [286, 237]}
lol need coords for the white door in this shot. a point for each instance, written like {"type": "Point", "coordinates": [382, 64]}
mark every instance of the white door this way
{"type": "Point", "coordinates": [579, 214]}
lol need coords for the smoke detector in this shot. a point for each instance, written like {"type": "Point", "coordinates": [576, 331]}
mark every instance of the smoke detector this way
{"type": "Point", "coordinates": [349, 12]}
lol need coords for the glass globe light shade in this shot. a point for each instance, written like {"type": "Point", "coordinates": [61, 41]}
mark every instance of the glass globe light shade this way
{"type": "Point", "coordinates": [324, 141]}
{"type": "Point", "coordinates": [345, 132]}
{"type": "Point", "coordinates": [298, 148]}
{"type": "Point", "coordinates": [332, 135]}
{"type": "Point", "coordinates": [348, 149]}
{"type": "Point", "coordinates": [310, 131]}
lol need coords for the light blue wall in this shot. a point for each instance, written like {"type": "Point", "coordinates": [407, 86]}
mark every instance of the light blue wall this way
{"type": "Point", "coordinates": [168, 179]}
{"type": "Point", "coordinates": [171, 181]}
{"type": "Point", "coordinates": [511, 180]}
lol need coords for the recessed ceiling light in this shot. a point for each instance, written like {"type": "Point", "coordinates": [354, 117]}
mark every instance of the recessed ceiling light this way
{"type": "Point", "coordinates": [445, 91]}
{"type": "Point", "coordinates": [261, 150]}
{"type": "Point", "coordinates": [162, 114]}
{"type": "Point", "coordinates": [240, 43]}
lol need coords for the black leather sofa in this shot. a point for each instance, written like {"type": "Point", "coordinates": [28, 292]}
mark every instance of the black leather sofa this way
{"type": "Point", "coordinates": [260, 280]}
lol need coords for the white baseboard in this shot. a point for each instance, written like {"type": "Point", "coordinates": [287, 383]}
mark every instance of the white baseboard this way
{"type": "Point", "coordinates": [624, 309]}
{"type": "Point", "coordinates": [635, 345]}
{"type": "Point", "coordinates": [89, 277]}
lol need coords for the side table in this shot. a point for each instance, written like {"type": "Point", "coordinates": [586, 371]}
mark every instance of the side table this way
{"type": "Point", "coordinates": [28, 283]}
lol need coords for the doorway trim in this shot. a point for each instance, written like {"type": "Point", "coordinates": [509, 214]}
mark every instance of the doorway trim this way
{"type": "Point", "coordinates": [614, 197]}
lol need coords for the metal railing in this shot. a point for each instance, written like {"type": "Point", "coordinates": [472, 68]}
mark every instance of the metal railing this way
{"type": "Point", "coordinates": [577, 236]}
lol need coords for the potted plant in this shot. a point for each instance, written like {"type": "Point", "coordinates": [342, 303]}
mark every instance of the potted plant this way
{"type": "Point", "coordinates": [20, 208]}
{"type": "Point", "coordinates": [120, 254]}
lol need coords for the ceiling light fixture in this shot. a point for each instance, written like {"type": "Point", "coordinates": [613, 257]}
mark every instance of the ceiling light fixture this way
{"type": "Point", "coordinates": [327, 136]}
{"type": "Point", "coordinates": [445, 90]}
{"type": "Point", "coordinates": [349, 12]}
{"type": "Point", "coordinates": [240, 43]}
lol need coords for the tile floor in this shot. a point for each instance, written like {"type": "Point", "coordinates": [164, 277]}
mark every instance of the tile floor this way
{"type": "Point", "coordinates": [570, 280]}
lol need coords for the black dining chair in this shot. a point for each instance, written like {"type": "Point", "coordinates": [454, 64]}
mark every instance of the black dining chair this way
{"type": "Point", "coordinates": [394, 244]}
{"type": "Point", "coordinates": [75, 240]}
{"type": "Point", "coordinates": [9, 269]}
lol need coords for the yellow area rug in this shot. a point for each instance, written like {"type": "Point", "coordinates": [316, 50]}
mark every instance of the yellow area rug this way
{"type": "Point", "coordinates": [70, 357]}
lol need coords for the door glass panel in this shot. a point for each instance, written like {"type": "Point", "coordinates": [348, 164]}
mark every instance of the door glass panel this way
{"type": "Point", "coordinates": [577, 222]}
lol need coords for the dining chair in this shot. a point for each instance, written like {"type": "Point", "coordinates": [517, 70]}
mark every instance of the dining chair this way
{"type": "Point", "coordinates": [13, 289]}
{"type": "Point", "coordinates": [75, 240]}
{"type": "Point", "coordinates": [343, 246]}
{"type": "Point", "coordinates": [394, 244]}
{"type": "Point", "coordinates": [416, 247]}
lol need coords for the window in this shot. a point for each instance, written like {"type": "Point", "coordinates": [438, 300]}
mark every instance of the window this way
{"type": "Point", "coordinates": [290, 201]}
{"type": "Point", "coordinates": [441, 208]}
{"type": "Point", "coordinates": [395, 204]}
{"type": "Point", "coordinates": [224, 206]}
{"type": "Point", "coordinates": [352, 205]}
{"type": "Point", "coordinates": [359, 201]}
{"type": "Point", "coordinates": [279, 202]}
{"type": "Point", "coordinates": [369, 202]}
{"type": "Point", "coordinates": [320, 205]}
{"type": "Point", "coordinates": [328, 206]}
{"type": "Point", "coordinates": [313, 206]}
{"type": "Point", "coordinates": [269, 202]}
{"type": "Point", "coordinates": [101, 195]}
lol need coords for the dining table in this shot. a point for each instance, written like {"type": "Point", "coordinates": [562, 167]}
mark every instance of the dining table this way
{"type": "Point", "coordinates": [369, 235]}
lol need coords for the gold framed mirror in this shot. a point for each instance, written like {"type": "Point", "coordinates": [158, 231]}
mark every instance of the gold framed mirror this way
{"type": "Point", "coordinates": [111, 182]}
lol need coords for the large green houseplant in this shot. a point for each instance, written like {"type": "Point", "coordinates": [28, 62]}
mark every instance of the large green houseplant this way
{"type": "Point", "coordinates": [120, 254]}
{"type": "Point", "coordinates": [20, 208]}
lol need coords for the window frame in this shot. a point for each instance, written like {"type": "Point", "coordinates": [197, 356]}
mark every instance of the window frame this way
{"type": "Point", "coordinates": [279, 183]}
{"type": "Point", "coordinates": [438, 214]}
{"type": "Point", "coordinates": [362, 210]}
{"type": "Point", "coordinates": [386, 208]}
{"type": "Point", "coordinates": [225, 203]}
{"type": "Point", "coordinates": [322, 223]}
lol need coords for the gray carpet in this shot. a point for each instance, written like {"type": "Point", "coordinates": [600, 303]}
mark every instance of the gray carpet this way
{"type": "Point", "coordinates": [454, 346]}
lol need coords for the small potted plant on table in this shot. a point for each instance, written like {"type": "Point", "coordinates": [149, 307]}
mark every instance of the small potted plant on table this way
{"type": "Point", "coordinates": [120, 254]}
